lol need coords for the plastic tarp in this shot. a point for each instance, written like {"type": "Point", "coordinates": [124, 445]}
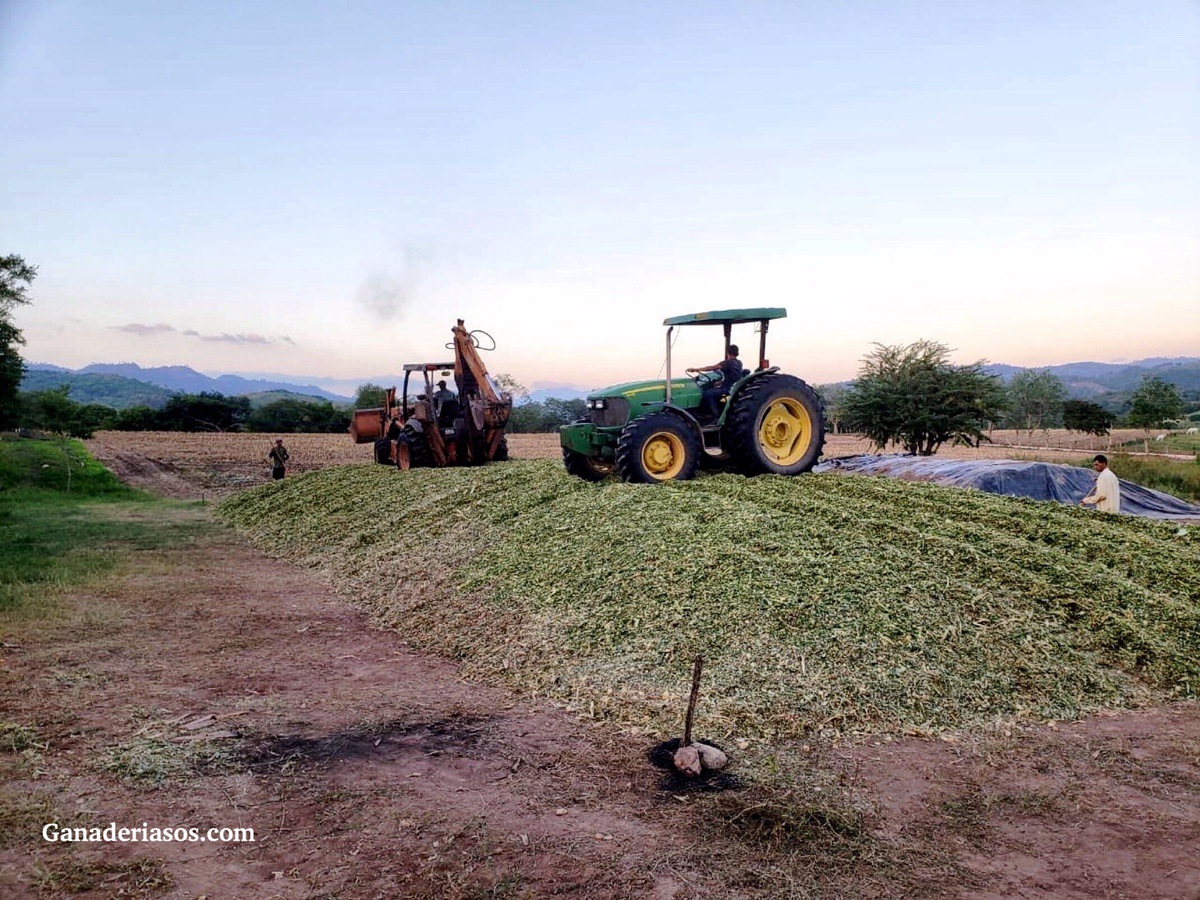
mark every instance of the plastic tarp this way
{"type": "Point", "coordinates": [1014, 478]}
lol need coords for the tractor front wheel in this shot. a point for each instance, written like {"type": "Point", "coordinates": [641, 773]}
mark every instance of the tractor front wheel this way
{"type": "Point", "coordinates": [586, 467]}
{"type": "Point", "coordinates": [658, 447]}
{"type": "Point", "coordinates": [776, 426]}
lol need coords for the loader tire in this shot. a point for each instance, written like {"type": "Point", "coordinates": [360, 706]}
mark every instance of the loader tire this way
{"type": "Point", "coordinates": [586, 467]}
{"type": "Point", "coordinates": [420, 456]}
{"type": "Point", "coordinates": [658, 447]}
{"type": "Point", "coordinates": [383, 452]}
{"type": "Point", "coordinates": [776, 426]}
{"type": "Point", "coordinates": [403, 454]}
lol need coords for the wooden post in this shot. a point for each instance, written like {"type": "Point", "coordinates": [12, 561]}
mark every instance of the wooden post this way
{"type": "Point", "coordinates": [691, 709]}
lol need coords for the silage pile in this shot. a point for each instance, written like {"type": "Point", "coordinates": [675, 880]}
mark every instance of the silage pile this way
{"type": "Point", "coordinates": [828, 604]}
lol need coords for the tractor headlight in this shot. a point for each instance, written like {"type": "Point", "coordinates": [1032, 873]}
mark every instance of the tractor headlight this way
{"type": "Point", "coordinates": [597, 404]}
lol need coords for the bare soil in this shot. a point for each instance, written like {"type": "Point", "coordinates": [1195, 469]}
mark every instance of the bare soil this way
{"type": "Point", "coordinates": [263, 699]}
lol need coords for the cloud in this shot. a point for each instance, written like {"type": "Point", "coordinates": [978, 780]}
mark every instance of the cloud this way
{"type": "Point", "coordinates": [382, 296]}
{"type": "Point", "coordinates": [144, 330]}
{"type": "Point", "coordinates": [242, 338]}
{"type": "Point", "coordinates": [226, 338]}
{"type": "Point", "coordinates": [251, 339]}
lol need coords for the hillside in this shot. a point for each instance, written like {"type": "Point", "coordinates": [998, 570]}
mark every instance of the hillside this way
{"type": "Point", "coordinates": [1093, 380]}
{"type": "Point", "coordinates": [116, 391]}
{"type": "Point", "coordinates": [183, 379]}
{"type": "Point", "coordinates": [262, 398]}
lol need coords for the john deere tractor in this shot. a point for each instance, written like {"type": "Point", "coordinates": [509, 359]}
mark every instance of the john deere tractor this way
{"type": "Point", "coordinates": [653, 431]}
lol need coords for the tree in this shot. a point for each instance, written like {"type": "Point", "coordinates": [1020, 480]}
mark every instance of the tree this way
{"type": "Point", "coordinates": [298, 416]}
{"type": "Point", "coordinates": [506, 382]}
{"type": "Point", "coordinates": [206, 411]}
{"type": "Point", "coordinates": [15, 277]}
{"type": "Point", "coordinates": [1035, 400]}
{"type": "Point", "coordinates": [1154, 402]}
{"type": "Point", "coordinates": [914, 396]}
{"type": "Point", "coordinates": [1086, 417]}
{"type": "Point", "coordinates": [54, 411]}
{"type": "Point", "coordinates": [370, 396]}
{"type": "Point", "coordinates": [833, 396]}
{"type": "Point", "coordinates": [540, 418]}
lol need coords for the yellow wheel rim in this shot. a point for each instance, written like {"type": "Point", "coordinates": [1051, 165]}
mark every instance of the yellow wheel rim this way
{"type": "Point", "coordinates": [785, 432]}
{"type": "Point", "coordinates": [662, 455]}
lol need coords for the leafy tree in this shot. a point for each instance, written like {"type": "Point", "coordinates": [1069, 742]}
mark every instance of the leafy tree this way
{"type": "Point", "coordinates": [1087, 417]}
{"type": "Point", "coordinates": [1154, 402]}
{"type": "Point", "coordinates": [914, 396]}
{"type": "Point", "coordinates": [540, 418]}
{"type": "Point", "coordinates": [834, 398]}
{"type": "Point", "coordinates": [292, 416]}
{"type": "Point", "coordinates": [369, 396]}
{"type": "Point", "coordinates": [139, 418]}
{"type": "Point", "coordinates": [54, 411]}
{"type": "Point", "coordinates": [507, 382]}
{"type": "Point", "coordinates": [1035, 400]}
{"type": "Point", "coordinates": [206, 411]}
{"type": "Point", "coordinates": [15, 277]}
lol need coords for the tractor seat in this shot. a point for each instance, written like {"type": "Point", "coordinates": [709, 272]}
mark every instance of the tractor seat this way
{"type": "Point", "coordinates": [451, 410]}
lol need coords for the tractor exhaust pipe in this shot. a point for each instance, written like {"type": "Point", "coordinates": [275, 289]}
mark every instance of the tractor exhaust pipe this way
{"type": "Point", "coordinates": [669, 330]}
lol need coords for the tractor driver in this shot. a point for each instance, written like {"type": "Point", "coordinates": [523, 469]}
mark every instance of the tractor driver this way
{"type": "Point", "coordinates": [731, 370]}
{"type": "Point", "coordinates": [442, 394]}
{"type": "Point", "coordinates": [445, 404]}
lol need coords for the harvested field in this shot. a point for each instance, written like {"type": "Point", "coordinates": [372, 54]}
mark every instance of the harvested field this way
{"type": "Point", "coordinates": [191, 466]}
{"type": "Point", "coordinates": [827, 605]}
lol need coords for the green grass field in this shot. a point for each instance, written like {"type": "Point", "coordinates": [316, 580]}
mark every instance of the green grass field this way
{"type": "Point", "coordinates": [1176, 442]}
{"type": "Point", "coordinates": [52, 538]}
{"type": "Point", "coordinates": [828, 604]}
{"type": "Point", "coordinates": [1172, 476]}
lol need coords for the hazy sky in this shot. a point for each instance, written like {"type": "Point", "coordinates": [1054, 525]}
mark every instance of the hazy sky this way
{"type": "Point", "coordinates": [321, 189]}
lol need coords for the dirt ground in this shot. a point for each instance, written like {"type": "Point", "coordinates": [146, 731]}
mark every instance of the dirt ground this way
{"type": "Point", "coordinates": [263, 699]}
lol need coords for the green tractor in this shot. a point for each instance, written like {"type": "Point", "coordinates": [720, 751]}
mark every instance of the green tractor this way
{"type": "Point", "coordinates": [652, 431]}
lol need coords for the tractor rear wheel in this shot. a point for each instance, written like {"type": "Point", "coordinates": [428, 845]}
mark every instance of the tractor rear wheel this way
{"type": "Point", "coordinates": [501, 451]}
{"type": "Point", "coordinates": [776, 426]}
{"type": "Point", "coordinates": [586, 467]}
{"type": "Point", "coordinates": [658, 447]}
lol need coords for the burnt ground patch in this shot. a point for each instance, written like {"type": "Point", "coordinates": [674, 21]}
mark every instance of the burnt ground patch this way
{"type": "Point", "coordinates": [662, 756]}
{"type": "Point", "coordinates": [457, 735]}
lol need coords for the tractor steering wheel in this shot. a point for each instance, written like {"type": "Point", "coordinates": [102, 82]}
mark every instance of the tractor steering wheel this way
{"type": "Point", "coordinates": [702, 379]}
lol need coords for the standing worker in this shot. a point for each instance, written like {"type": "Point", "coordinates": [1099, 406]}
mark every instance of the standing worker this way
{"type": "Point", "coordinates": [1106, 495]}
{"type": "Point", "coordinates": [278, 457]}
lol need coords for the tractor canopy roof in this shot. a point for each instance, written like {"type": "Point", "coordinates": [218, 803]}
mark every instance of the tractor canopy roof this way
{"type": "Point", "coordinates": [721, 316]}
{"type": "Point", "coordinates": [426, 367]}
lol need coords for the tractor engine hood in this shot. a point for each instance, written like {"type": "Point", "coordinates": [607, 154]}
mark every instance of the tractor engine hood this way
{"type": "Point", "coordinates": [614, 406]}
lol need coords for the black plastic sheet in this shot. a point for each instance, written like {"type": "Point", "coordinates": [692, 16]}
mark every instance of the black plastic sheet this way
{"type": "Point", "coordinates": [1014, 478]}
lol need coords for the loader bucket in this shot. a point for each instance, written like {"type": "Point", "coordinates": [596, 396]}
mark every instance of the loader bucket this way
{"type": "Point", "coordinates": [367, 425]}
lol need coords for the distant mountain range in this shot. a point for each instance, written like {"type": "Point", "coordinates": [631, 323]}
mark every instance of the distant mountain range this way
{"type": "Point", "coordinates": [1087, 380]}
{"type": "Point", "coordinates": [122, 385]}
